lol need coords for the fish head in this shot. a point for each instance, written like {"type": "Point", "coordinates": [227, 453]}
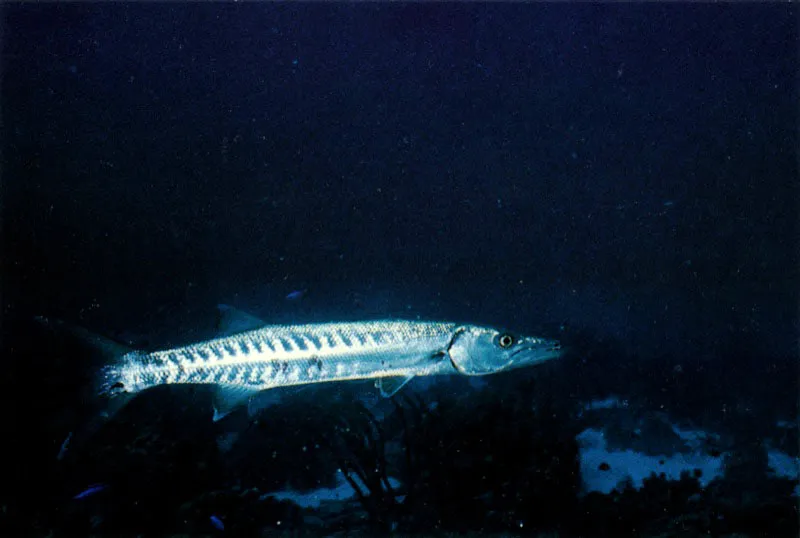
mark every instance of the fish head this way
{"type": "Point", "coordinates": [483, 350]}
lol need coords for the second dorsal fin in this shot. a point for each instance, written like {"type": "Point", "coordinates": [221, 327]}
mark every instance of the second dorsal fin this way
{"type": "Point", "coordinates": [232, 320]}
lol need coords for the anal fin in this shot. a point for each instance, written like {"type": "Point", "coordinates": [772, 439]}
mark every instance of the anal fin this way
{"type": "Point", "coordinates": [389, 386]}
{"type": "Point", "coordinates": [229, 397]}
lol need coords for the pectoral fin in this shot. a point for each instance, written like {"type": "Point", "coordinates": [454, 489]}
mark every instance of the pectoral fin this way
{"type": "Point", "coordinates": [389, 386]}
{"type": "Point", "coordinates": [229, 397]}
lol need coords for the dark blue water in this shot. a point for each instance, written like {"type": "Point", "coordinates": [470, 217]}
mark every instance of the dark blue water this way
{"type": "Point", "coordinates": [621, 177]}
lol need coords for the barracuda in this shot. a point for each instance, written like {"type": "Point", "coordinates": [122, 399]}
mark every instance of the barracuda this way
{"type": "Point", "coordinates": [392, 352]}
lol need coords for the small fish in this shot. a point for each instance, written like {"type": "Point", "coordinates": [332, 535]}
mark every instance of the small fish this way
{"type": "Point", "coordinates": [91, 490]}
{"type": "Point", "coordinates": [296, 295]}
{"type": "Point", "coordinates": [217, 523]}
{"type": "Point", "coordinates": [64, 447]}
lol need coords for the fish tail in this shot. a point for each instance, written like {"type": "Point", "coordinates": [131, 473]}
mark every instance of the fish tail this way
{"type": "Point", "coordinates": [104, 393]}
{"type": "Point", "coordinates": [108, 390]}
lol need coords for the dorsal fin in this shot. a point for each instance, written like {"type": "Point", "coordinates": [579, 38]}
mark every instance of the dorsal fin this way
{"type": "Point", "coordinates": [232, 320]}
{"type": "Point", "coordinates": [229, 397]}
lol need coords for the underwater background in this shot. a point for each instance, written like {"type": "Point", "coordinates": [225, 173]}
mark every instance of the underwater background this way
{"type": "Point", "coordinates": [622, 177]}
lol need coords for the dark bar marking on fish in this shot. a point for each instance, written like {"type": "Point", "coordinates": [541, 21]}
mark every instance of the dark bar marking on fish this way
{"type": "Point", "coordinates": [286, 343]}
{"type": "Point", "coordinates": [329, 339]}
{"type": "Point", "coordinates": [233, 374]}
{"type": "Point", "coordinates": [189, 356]}
{"type": "Point", "coordinates": [206, 375]}
{"type": "Point", "coordinates": [253, 376]}
{"type": "Point", "coordinates": [315, 341]}
{"type": "Point", "coordinates": [276, 344]}
{"type": "Point", "coordinates": [300, 342]}
{"type": "Point", "coordinates": [345, 338]}
{"type": "Point", "coordinates": [219, 375]}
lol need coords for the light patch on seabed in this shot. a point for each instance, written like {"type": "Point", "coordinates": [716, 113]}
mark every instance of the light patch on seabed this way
{"type": "Point", "coordinates": [694, 439]}
{"type": "Point", "coordinates": [783, 465]}
{"type": "Point", "coordinates": [611, 402]}
{"type": "Point", "coordinates": [624, 464]}
{"type": "Point", "coordinates": [313, 499]}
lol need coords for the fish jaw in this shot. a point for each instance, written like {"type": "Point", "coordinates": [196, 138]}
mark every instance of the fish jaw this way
{"type": "Point", "coordinates": [535, 351]}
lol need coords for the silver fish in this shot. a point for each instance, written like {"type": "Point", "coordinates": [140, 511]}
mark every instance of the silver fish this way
{"type": "Point", "coordinates": [252, 360]}
{"type": "Point", "coordinates": [390, 351]}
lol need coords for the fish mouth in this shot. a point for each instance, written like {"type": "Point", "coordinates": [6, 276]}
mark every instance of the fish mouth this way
{"type": "Point", "coordinates": [537, 352]}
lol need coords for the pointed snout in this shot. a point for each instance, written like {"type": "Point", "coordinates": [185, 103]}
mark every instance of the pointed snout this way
{"type": "Point", "coordinates": [537, 350]}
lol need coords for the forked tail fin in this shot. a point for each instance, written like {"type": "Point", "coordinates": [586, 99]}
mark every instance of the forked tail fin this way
{"type": "Point", "coordinates": [105, 396]}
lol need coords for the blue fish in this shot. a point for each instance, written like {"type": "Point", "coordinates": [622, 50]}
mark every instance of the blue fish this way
{"type": "Point", "coordinates": [296, 295]}
{"type": "Point", "coordinates": [217, 523]}
{"type": "Point", "coordinates": [91, 490]}
{"type": "Point", "coordinates": [64, 446]}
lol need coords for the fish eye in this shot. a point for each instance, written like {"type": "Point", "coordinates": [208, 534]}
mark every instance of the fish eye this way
{"type": "Point", "coordinates": [505, 340]}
